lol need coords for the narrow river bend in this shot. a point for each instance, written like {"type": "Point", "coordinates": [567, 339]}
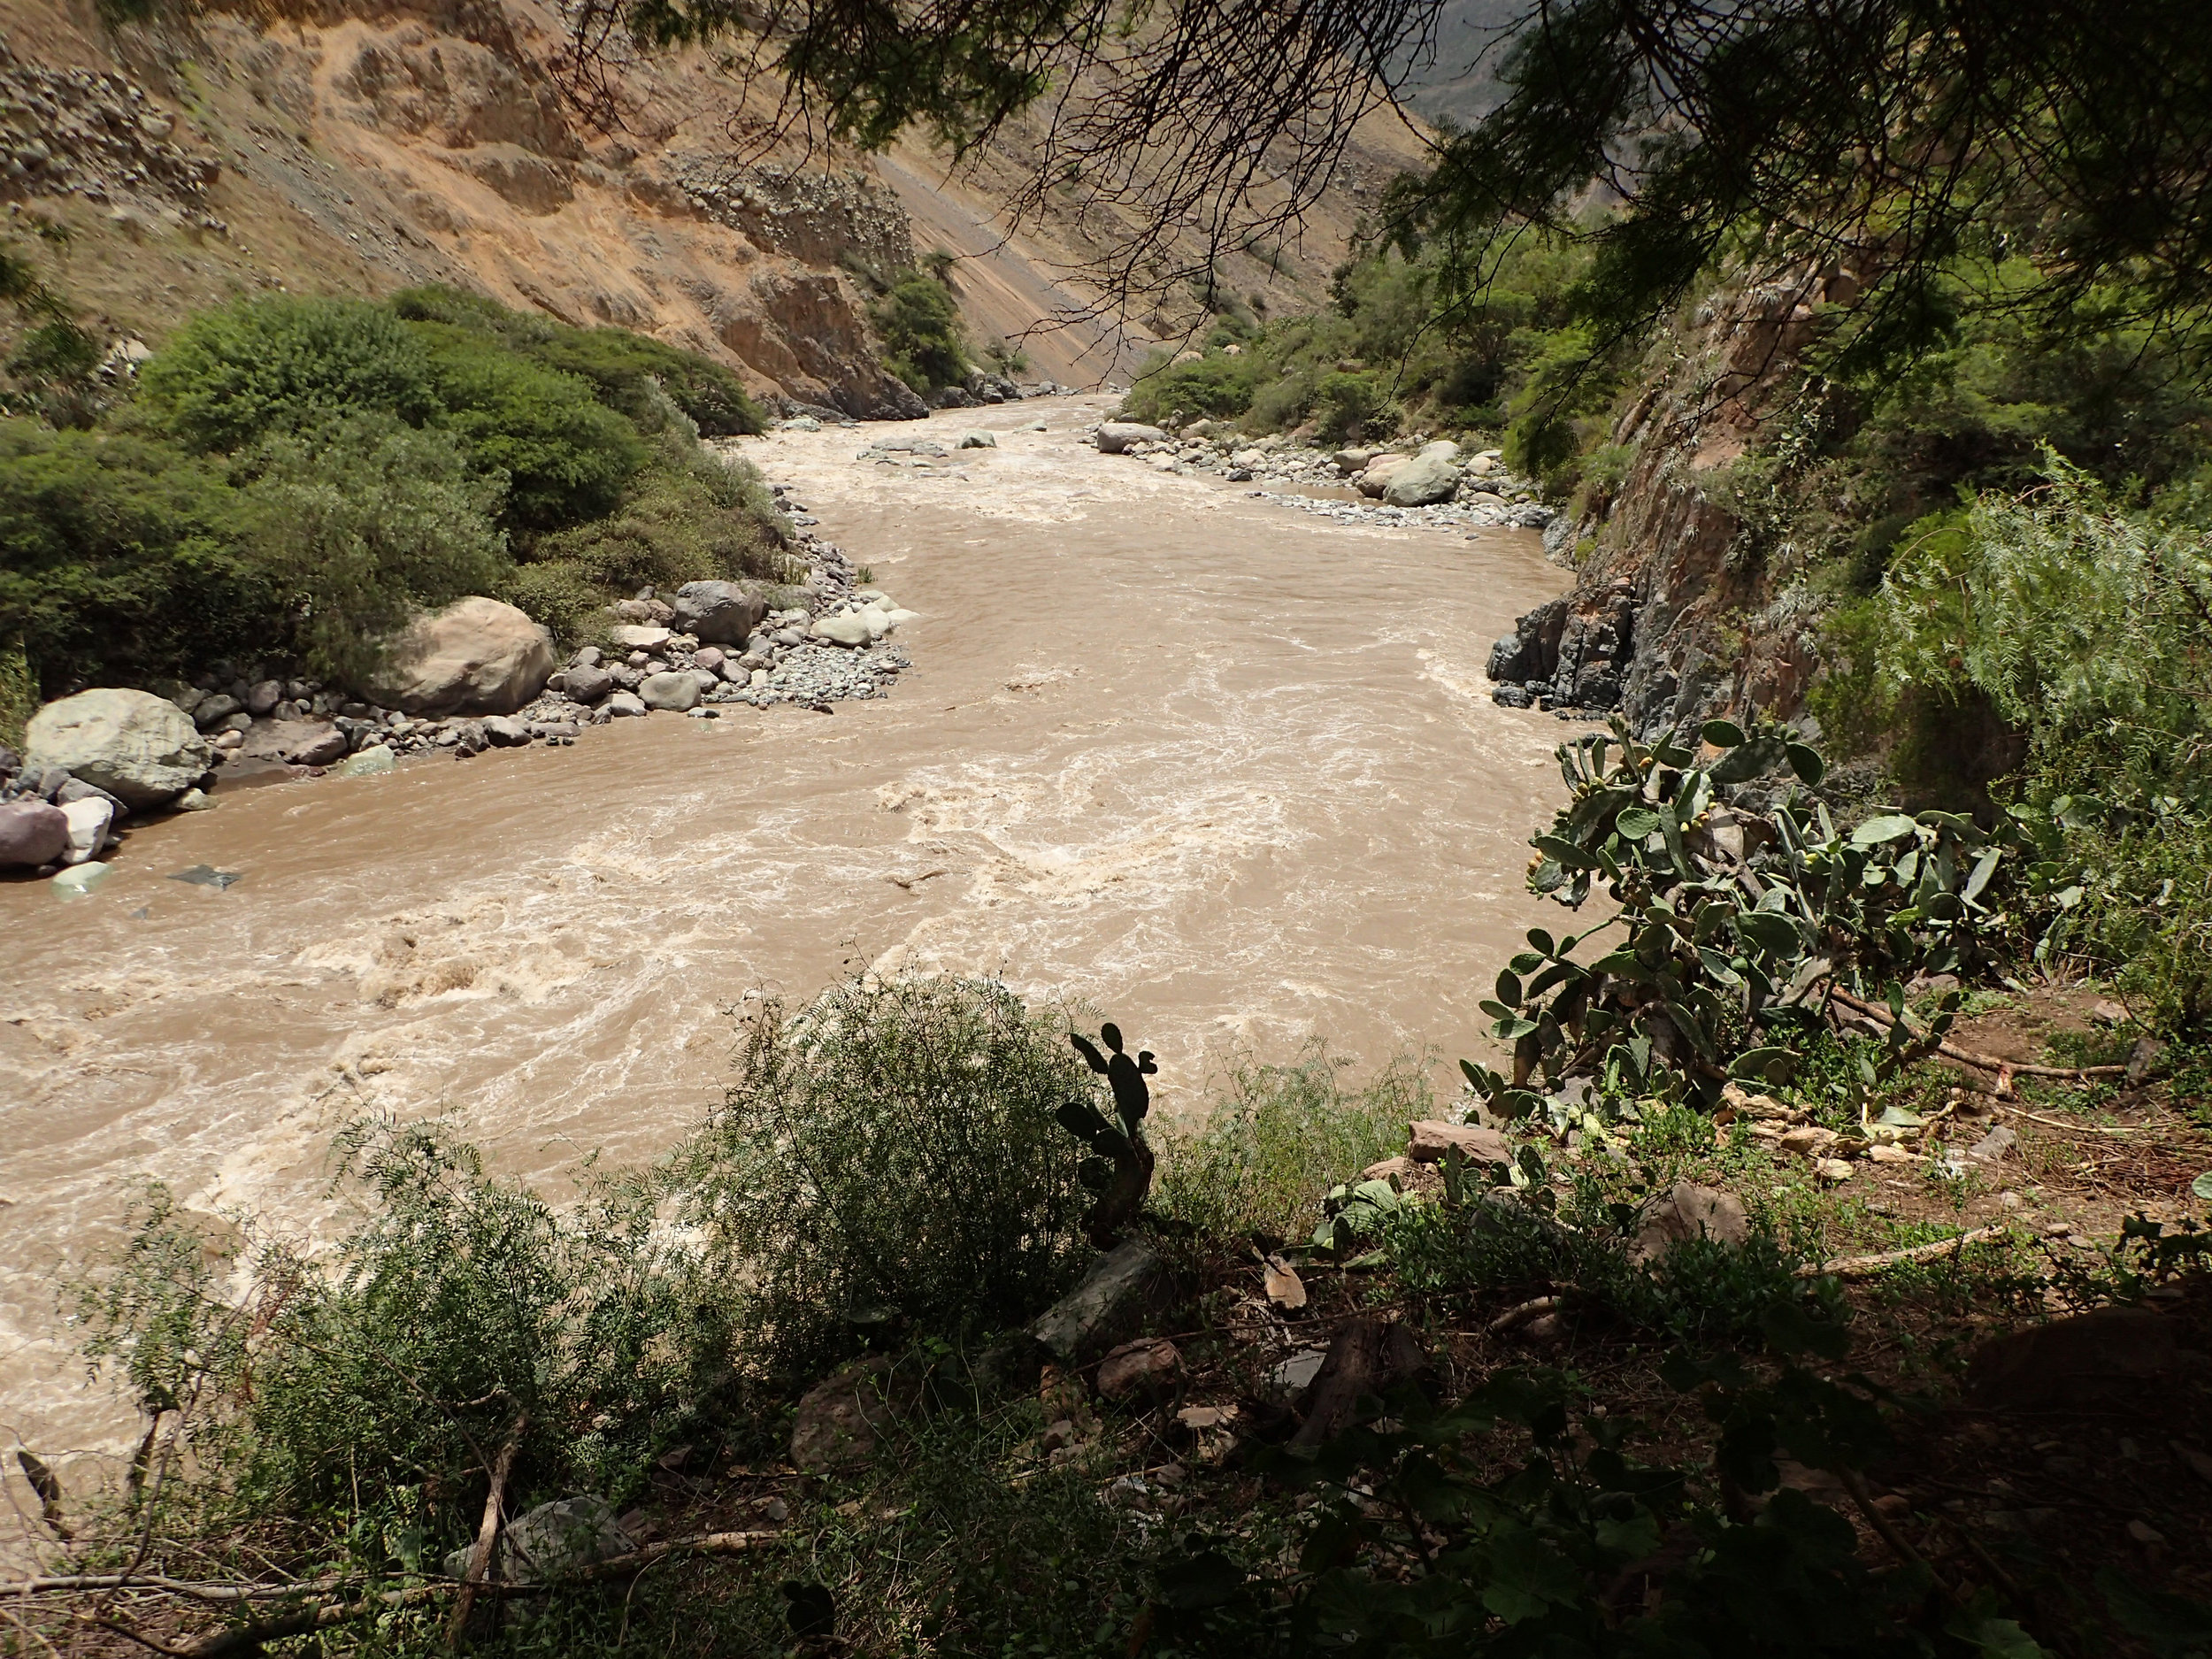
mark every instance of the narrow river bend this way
{"type": "Point", "coordinates": [1225, 771]}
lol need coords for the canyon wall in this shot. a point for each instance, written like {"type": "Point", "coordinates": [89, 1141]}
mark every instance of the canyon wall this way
{"type": "Point", "coordinates": [360, 146]}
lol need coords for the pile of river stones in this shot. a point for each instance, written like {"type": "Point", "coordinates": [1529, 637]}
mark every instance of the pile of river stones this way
{"type": "Point", "coordinates": [1427, 484]}
{"type": "Point", "coordinates": [96, 757]}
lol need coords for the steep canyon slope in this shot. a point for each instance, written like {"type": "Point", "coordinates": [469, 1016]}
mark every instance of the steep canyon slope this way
{"type": "Point", "coordinates": [358, 146]}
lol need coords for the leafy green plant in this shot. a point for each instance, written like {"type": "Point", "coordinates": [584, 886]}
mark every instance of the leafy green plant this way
{"type": "Point", "coordinates": [280, 363]}
{"type": "Point", "coordinates": [361, 523]}
{"type": "Point", "coordinates": [890, 1161]}
{"type": "Point", "coordinates": [565, 457]}
{"type": "Point", "coordinates": [122, 556]}
{"type": "Point", "coordinates": [1739, 922]}
{"type": "Point", "coordinates": [354, 1408]}
{"type": "Point", "coordinates": [1277, 1140]}
{"type": "Point", "coordinates": [923, 343]}
{"type": "Point", "coordinates": [1119, 1169]}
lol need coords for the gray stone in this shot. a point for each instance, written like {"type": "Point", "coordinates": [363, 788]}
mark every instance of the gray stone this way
{"type": "Point", "coordinates": [588, 658]}
{"type": "Point", "coordinates": [326, 746]}
{"type": "Point", "coordinates": [718, 612]}
{"type": "Point", "coordinates": [195, 800]}
{"type": "Point", "coordinates": [263, 698]}
{"type": "Point", "coordinates": [477, 656]}
{"type": "Point", "coordinates": [367, 762]}
{"type": "Point", "coordinates": [215, 710]}
{"type": "Point", "coordinates": [504, 731]}
{"type": "Point", "coordinates": [590, 683]}
{"type": "Point", "coordinates": [89, 820]}
{"type": "Point", "coordinates": [1422, 482]}
{"type": "Point", "coordinates": [709, 657]}
{"type": "Point", "coordinates": [1429, 1142]}
{"type": "Point", "coordinates": [1688, 1211]}
{"type": "Point", "coordinates": [78, 789]}
{"type": "Point", "coordinates": [32, 834]}
{"type": "Point", "coordinates": [551, 1541]}
{"type": "Point", "coordinates": [141, 748]}
{"type": "Point", "coordinates": [1116, 436]}
{"type": "Point", "coordinates": [1106, 1307]}
{"type": "Point", "coordinates": [851, 628]}
{"type": "Point", "coordinates": [978, 439]}
{"type": "Point", "coordinates": [553, 728]}
{"type": "Point", "coordinates": [838, 1420]}
{"type": "Point", "coordinates": [678, 693]}
{"type": "Point", "coordinates": [625, 703]}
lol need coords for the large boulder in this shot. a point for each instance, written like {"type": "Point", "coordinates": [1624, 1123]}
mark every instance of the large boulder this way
{"type": "Point", "coordinates": [676, 692]}
{"type": "Point", "coordinates": [475, 657]}
{"type": "Point", "coordinates": [718, 614]}
{"type": "Point", "coordinates": [1422, 482]}
{"type": "Point", "coordinates": [32, 834]}
{"type": "Point", "coordinates": [849, 628]}
{"type": "Point", "coordinates": [141, 748]}
{"type": "Point", "coordinates": [1116, 436]}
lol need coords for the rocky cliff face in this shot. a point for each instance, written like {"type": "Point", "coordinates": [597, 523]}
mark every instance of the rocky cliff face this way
{"type": "Point", "coordinates": [378, 143]}
{"type": "Point", "coordinates": [1668, 621]}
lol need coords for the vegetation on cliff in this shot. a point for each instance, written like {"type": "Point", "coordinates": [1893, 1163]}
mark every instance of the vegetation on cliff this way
{"type": "Point", "coordinates": [296, 476]}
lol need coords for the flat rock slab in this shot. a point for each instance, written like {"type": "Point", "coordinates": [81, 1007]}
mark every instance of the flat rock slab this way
{"type": "Point", "coordinates": [1106, 1307]}
{"type": "Point", "coordinates": [1429, 1140]}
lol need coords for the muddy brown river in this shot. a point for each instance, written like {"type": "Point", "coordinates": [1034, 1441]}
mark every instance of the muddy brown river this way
{"type": "Point", "coordinates": [1225, 771]}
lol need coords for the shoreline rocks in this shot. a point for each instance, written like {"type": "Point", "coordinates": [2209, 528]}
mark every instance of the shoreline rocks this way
{"type": "Point", "coordinates": [1435, 486]}
{"type": "Point", "coordinates": [103, 754]}
{"type": "Point", "coordinates": [140, 749]}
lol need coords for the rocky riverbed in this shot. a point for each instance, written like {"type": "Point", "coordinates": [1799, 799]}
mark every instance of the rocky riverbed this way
{"type": "Point", "coordinates": [1419, 484]}
{"type": "Point", "coordinates": [478, 675]}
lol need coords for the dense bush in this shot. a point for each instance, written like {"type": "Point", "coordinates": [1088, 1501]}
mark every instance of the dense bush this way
{"type": "Point", "coordinates": [924, 343]}
{"type": "Point", "coordinates": [363, 522]}
{"type": "Point", "coordinates": [359, 1399]}
{"type": "Point", "coordinates": [565, 456]}
{"type": "Point", "coordinates": [620, 366]}
{"type": "Point", "coordinates": [280, 363]}
{"type": "Point", "coordinates": [687, 517]}
{"type": "Point", "coordinates": [889, 1164]}
{"type": "Point", "coordinates": [121, 555]}
{"type": "Point", "coordinates": [296, 475]}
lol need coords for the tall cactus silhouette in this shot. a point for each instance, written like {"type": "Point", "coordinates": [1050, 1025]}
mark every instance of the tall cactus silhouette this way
{"type": "Point", "coordinates": [1121, 1172]}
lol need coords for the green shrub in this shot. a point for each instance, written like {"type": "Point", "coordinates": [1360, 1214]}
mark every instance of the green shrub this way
{"type": "Point", "coordinates": [924, 343]}
{"type": "Point", "coordinates": [1284, 1135]}
{"type": "Point", "coordinates": [1217, 385]}
{"type": "Point", "coordinates": [567, 457]}
{"type": "Point", "coordinates": [121, 557]}
{"type": "Point", "coordinates": [361, 523]}
{"type": "Point", "coordinates": [1347, 406]}
{"type": "Point", "coordinates": [278, 364]}
{"type": "Point", "coordinates": [689, 517]}
{"type": "Point", "coordinates": [889, 1163]}
{"type": "Point", "coordinates": [620, 366]}
{"type": "Point", "coordinates": [353, 1403]}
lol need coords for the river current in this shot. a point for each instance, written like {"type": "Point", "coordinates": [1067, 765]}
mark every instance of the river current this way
{"type": "Point", "coordinates": [1226, 771]}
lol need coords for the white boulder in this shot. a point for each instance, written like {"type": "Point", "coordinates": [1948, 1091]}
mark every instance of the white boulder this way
{"type": "Point", "coordinates": [477, 656]}
{"type": "Point", "coordinates": [1116, 436]}
{"type": "Point", "coordinates": [141, 748]}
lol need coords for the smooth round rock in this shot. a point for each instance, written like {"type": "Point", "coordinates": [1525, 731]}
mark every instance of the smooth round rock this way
{"type": "Point", "coordinates": [143, 749]}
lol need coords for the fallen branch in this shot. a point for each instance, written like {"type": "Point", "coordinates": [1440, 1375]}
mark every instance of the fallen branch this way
{"type": "Point", "coordinates": [1522, 1313]}
{"type": "Point", "coordinates": [1867, 1266]}
{"type": "Point", "coordinates": [2060, 1123]}
{"type": "Point", "coordinates": [322, 1616]}
{"type": "Point", "coordinates": [1985, 1062]}
{"type": "Point", "coordinates": [197, 1589]}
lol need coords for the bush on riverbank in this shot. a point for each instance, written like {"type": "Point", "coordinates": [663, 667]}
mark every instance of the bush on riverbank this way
{"type": "Point", "coordinates": [293, 476]}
